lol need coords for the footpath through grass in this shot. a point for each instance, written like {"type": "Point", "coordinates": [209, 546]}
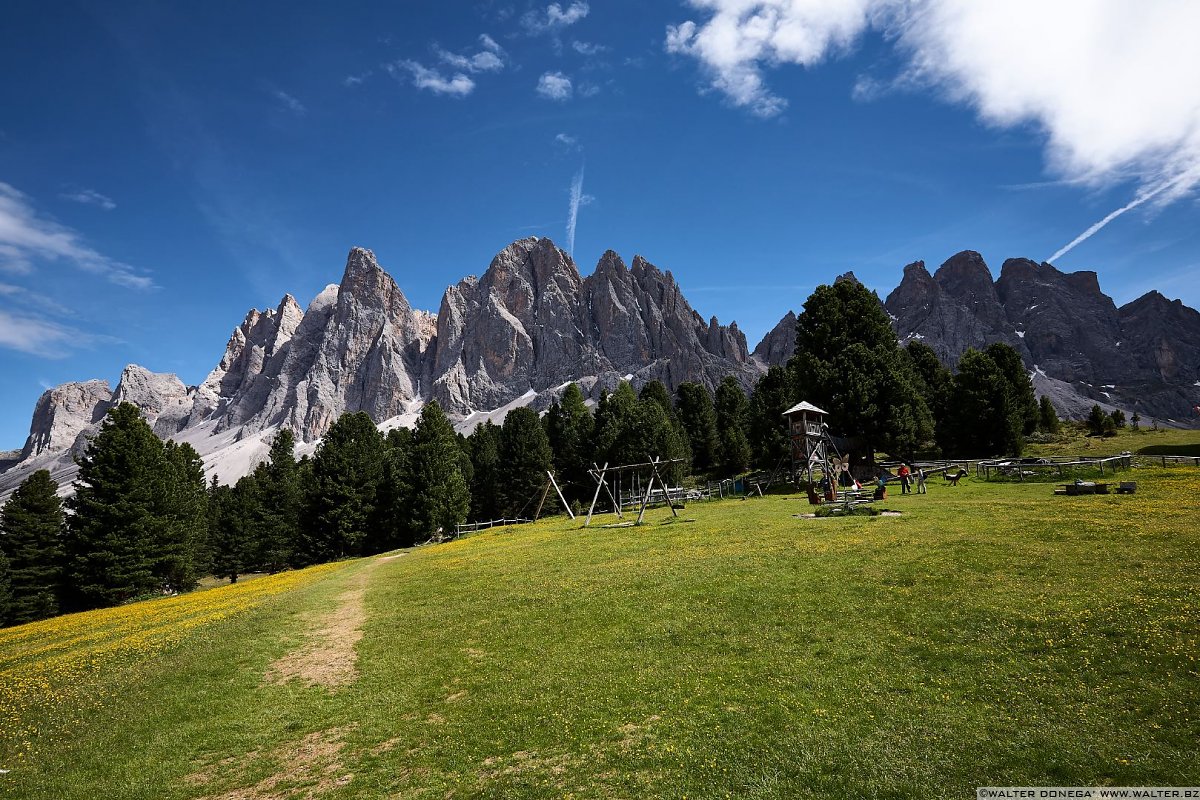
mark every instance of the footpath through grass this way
{"type": "Point", "coordinates": [993, 634]}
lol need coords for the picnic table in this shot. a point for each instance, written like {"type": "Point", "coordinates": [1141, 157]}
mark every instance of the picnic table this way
{"type": "Point", "coordinates": [1073, 489]}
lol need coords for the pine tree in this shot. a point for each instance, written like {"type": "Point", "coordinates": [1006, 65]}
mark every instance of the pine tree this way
{"type": "Point", "coordinates": [932, 381]}
{"type": "Point", "coordinates": [232, 540]}
{"type": "Point", "coordinates": [772, 395]}
{"type": "Point", "coordinates": [487, 473]}
{"type": "Point", "coordinates": [661, 437]}
{"type": "Point", "coordinates": [279, 522]}
{"type": "Point", "coordinates": [615, 429]}
{"type": "Point", "coordinates": [848, 362]}
{"type": "Point", "coordinates": [115, 522]}
{"type": "Point", "coordinates": [183, 509]}
{"type": "Point", "coordinates": [569, 427]}
{"type": "Point", "coordinates": [5, 592]}
{"type": "Point", "coordinates": [733, 411]}
{"type": "Point", "coordinates": [525, 457]}
{"type": "Point", "coordinates": [986, 416]}
{"type": "Point", "coordinates": [1135, 422]}
{"type": "Point", "coordinates": [31, 536]}
{"type": "Point", "coordinates": [441, 497]}
{"type": "Point", "coordinates": [694, 408]}
{"type": "Point", "coordinates": [342, 503]}
{"type": "Point", "coordinates": [656, 391]}
{"type": "Point", "coordinates": [395, 494]}
{"type": "Point", "coordinates": [1024, 400]}
{"type": "Point", "coordinates": [1096, 421]}
{"type": "Point", "coordinates": [1047, 416]}
{"type": "Point", "coordinates": [1118, 418]}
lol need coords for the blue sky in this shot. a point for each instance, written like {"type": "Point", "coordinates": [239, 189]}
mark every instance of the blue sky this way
{"type": "Point", "coordinates": [162, 170]}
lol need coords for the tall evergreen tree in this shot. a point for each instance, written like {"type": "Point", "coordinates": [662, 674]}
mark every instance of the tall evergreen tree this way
{"type": "Point", "coordinates": [343, 510]}
{"type": "Point", "coordinates": [280, 495]}
{"type": "Point", "coordinates": [733, 418]}
{"type": "Point", "coordinates": [487, 472]}
{"type": "Point", "coordinates": [183, 508]}
{"type": "Point", "coordinates": [986, 416]}
{"type": "Point", "coordinates": [31, 536]}
{"type": "Point", "coordinates": [1047, 416]}
{"type": "Point", "coordinates": [569, 427]}
{"type": "Point", "coordinates": [232, 536]}
{"type": "Point", "coordinates": [525, 457]}
{"type": "Point", "coordinates": [1096, 421]}
{"type": "Point", "coordinates": [694, 408]}
{"type": "Point", "coordinates": [1024, 400]}
{"type": "Point", "coordinates": [848, 362]}
{"type": "Point", "coordinates": [441, 496]}
{"type": "Point", "coordinates": [932, 381]}
{"type": "Point", "coordinates": [5, 592]}
{"type": "Point", "coordinates": [115, 522]}
{"type": "Point", "coordinates": [615, 430]}
{"type": "Point", "coordinates": [656, 391]}
{"type": "Point", "coordinates": [395, 493]}
{"type": "Point", "coordinates": [660, 436]}
{"type": "Point", "coordinates": [772, 395]}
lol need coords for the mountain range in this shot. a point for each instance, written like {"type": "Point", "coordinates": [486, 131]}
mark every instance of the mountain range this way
{"type": "Point", "coordinates": [532, 324]}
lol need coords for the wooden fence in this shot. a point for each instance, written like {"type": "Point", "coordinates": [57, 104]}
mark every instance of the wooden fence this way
{"type": "Point", "coordinates": [1026, 467]}
{"type": "Point", "coordinates": [469, 527]}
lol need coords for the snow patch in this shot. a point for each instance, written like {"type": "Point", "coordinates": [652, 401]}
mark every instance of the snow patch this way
{"type": "Point", "coordinates": [1020, 334]}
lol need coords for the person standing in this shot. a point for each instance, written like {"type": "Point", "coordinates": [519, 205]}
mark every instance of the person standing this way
{"type": "Point", "coordinates": [904, 474]}
{"type": "Point", "coordinates": [921, 489]}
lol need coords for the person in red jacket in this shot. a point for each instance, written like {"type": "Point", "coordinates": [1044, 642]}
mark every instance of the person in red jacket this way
{"type": "Point", "coordinates": [903, 473]}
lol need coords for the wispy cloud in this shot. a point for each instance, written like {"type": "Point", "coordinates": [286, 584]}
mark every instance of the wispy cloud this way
{"type": "Point", "coordinates": [555, 86]}
{"type": "Point", "coordinates": [553, 18]}
{"type": "Point", "coordinates": [577, 199]}
{"type": "Point", "coordinates": [36, 336]}
{"type": "Point", "coordinates": [89, 197]}
{"type": "Point", "coordinates": [566, 140]}
{"type": "Point", "coordinates": [490, 59]}
{"type": "Point", "coordinates": [588, 48]}
{"type": "Point", "coordinates": [1143, 196]}
{"type": "Point", "coordinates": [1100, 80]}
{"type": "Point", "coordinates": [29, 299]}
{"type": "Point", "coordinates": [357, 80]}
{"type": "Point", "coordinates": [459, 85]}
{"type": "Point", "coordinates": [26, 237]}
{"type": "Point", "coordinates": [288, 102]}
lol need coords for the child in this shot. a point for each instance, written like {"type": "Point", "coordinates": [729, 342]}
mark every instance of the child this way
{"type": "Point", "coordinates": [880, 488]}
{"type": "Point", "coordinates": [921, 481]}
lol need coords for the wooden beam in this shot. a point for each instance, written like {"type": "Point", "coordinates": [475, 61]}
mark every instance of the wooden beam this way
{"type": "Point", "coordinates": [560, 495]}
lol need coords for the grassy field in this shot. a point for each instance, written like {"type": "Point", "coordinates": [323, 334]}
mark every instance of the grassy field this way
{"type": "Point", "coordinates": [993, 634]}
{"type": "Point", "coordinates": [1165, 441]}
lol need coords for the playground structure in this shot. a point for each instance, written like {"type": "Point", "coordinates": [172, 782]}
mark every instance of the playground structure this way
{"type": "Point", "coordinates": [600, 475]}
{"type": "Point", "coordinates": [813, 451]}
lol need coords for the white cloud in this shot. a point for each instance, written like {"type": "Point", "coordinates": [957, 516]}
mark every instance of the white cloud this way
{"type": "Point", "coordinates": [357, 80]}
{"type": "Point", "coordinates": [89, 197]}
{"type": "Point", "coordinates": [1109, 83]}
{"type": "Point", "coordinates": [588, 48]}
{"type": "Point", "coordinates": [36, 336]}
{"type": "Point", "coordinates": [423, 77]}
{"type": "Point", "coordinates": [288, 102]}
{"type": "Point", "coordinates": [554, 86]}
{"type": "Point", "coordinates": [578, 198]}
{"type": "Point", "coordinates": [566, 139]}
{"type": "Point", "coordinates": [26, 237]}
{"type": "Point", "coordinates": [489, 59]}
{"type": "Point", "coordinates": [553, 18]}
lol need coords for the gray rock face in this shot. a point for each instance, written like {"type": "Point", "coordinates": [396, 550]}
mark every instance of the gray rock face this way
{"type": "Point", "coordinates": [952, 310]}
{"type": "Point", "coordinates": [779, 344]}
{"type": "Point", "coordinates": [162, 398]}
{"type": "Point", "coordinates": [64, 412]}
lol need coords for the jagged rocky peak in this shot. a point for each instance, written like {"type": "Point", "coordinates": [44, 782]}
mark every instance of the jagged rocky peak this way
{"type": "Point", "coordinates": [779, 344]}
{"type": "Point", "coordinates": [846, 276]}
{"type": "Point", "coordinates": [1165, 335]}
{"type": "Point", "coordinates": [161, 397]}
{"type": "Point", "coordinates": [62, 413]}
{"type": "Point", "coordinates": [966, 275]}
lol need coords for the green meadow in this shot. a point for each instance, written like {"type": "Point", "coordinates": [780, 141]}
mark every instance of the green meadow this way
{"type": "Point", "coordinates": [990, 635]}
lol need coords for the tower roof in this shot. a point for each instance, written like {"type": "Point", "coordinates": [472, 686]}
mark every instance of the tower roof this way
{"type": "Point", "coordinates": [804, 406]}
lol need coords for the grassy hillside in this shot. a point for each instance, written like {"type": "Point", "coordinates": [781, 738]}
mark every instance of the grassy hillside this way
{"type": "Point", "coordinates": [991, 635]}
{"type": "Point", "coordinates": [1165, 441]}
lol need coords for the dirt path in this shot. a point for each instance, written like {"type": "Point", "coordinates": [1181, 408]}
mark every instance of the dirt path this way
{"type": "Point", "coordinates": [327, 656]}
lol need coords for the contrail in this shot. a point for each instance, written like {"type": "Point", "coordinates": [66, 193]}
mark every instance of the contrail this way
{"type": "Point", "coordinates": [1142, 197]}
{"type": "Point", "coordinates": [573, 211]}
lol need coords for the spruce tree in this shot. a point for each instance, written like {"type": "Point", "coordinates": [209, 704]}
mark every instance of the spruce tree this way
{"type": "Point", "coordinates": [115, 522]}
{"type": "Point", "coordinates": [31, 536]}
{"type": "Point", "coordinates": [986, 417]}
{"type": "Point", "coordinates": [183, 508]}
{"type": "Point", "coordinates": [1024, 400]}
{"type": "Point", "coordinates": [769, 439]}
{"type": "Point", "coordinates": [1096, 420]}
{"type": "Point", "coordinates": [5, 592]}
{"type": "Point", "coordinates": [487, 473]}
{"type": "Point", "coordinates": [440, 495]}
{"type": "Point", "coordinates": [1047, 416]}
{"type": "Point", "coordinates": [569, 427]}
{"type": "Point", "coordinates": [615, 429]}
{"type": "Point", "coordinates": [848, 362]}
{"type": "Point", "coordinates": [395, 494]}
{"type": "Point", "coordinates": [932, 381]}
{"type": "Point", "coordinates": [733, 411]}
{"type": "Point", "coordinates": [279, 522]}
{"type": "Point", "coordinates": [342, 505]}
{"type": "Point", "coordinates": [1118, 418]}
{"type": "Point", "coordinates": [232, 539]}
{"type": "Point", "coordinates": [656, 391]}
{"type": "Point", "coordinates": [694, 408]}
{"type": "Point", "coordinates": [660, 436]}
{"type": "Point", "coordinates": [525, 457]}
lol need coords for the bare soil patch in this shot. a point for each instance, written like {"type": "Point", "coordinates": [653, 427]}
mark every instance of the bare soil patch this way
{"type": "Point", "coordinates": [308, 768]}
